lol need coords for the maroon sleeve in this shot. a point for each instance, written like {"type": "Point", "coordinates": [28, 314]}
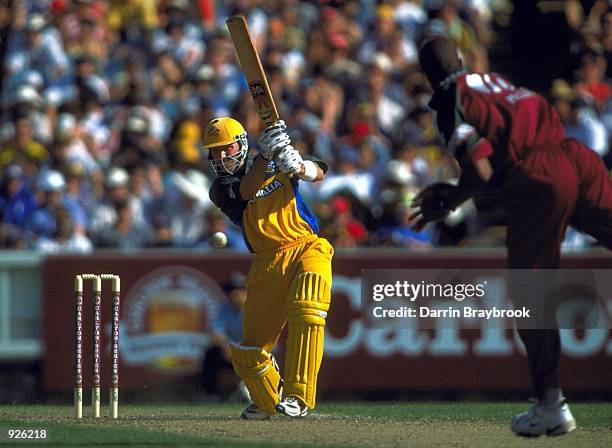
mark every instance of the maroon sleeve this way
{"type": "Point", "coordinates": [481, 149]}
{"type": "Point", "coordinates": [512, 119]}
{"type": "Point", "coordinates": [465, 136]}
{"type": "Point", "coordinates": [475, 109]}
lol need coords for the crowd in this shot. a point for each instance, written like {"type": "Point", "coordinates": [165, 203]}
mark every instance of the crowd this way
{"type": "Point", "coordinates": [103, 104]}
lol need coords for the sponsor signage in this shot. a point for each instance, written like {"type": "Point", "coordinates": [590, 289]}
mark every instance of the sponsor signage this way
{"type": "Point", "coordinates": [169, 303]}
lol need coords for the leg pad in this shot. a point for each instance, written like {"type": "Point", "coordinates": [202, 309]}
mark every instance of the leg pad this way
{"type": "Point", "coordinates": [260, 374]}
{"type": "Point", "coordinates": [309, 302]}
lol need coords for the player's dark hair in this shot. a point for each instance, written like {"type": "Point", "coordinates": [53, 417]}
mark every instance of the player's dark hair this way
{"type": "Point", "coordinates": [439, 58]}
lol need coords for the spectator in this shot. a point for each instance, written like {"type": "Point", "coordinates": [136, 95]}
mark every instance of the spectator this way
{"type": "Point", "coordinates": [69, 147]}
{"type": "Point", "coordinates": [187, 213]}
{"type": "Point", "coordinates": [349, 178]}
{"type": "Point", "coordinates": [585, 126]}
{"type": "Point", "coordinates": [91, 39]}
{"type": "Point", "coordinates": [66, 239]}
{"type": "Point", "coordinates": [23, 150]}
{"type": "Point", "coordinates": [591, 78]}
{"type": "Point", "coordinates": [444, 19]}
{"type": "Point", "coordinates": [146, 190]}
{"type": "Point", "coordinates": [39, 47]}
{"type": "Point", "coordinates": [16, 199]}
{"type": "Point", "coordinates": [342, 229]}
{"type": "Point", "coordinates": [117, 193]}
{"type": "Point", "coordinates": [78, 196]}
{"type": "Point", "coordinates": [401, 233]}
{"type": "Point", "coordinates": [126, 232]}
{"type": "Point", "coordinates": [128, 84]}
{"type": "Point", "coordinates": [388, 39]}
{"type": "Point", "coordinates": [42, 222]}
{"type": "Point", "coordinates": [215, 221]}
{"type": "Point", "coordinates": [204, 82]}
{"type": "Point", "coordinates": [27, 102]}
{"type": "Point", "coordinates": [218, 377]}
{"type": "Point", "coordinates": [388, 111]}
{"type": "Point", "coordinates": [94, 129]}
{"type": "Point", "coordinates": [188, 51]}
{"type": "Point", "coordinates": [134, 18]}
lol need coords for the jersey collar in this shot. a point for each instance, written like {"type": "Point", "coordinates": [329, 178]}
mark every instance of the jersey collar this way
{"type": "Point", "coordinates": [451, 78]}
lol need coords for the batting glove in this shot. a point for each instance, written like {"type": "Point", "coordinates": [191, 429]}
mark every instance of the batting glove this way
{"type": "Point", "coordinates": [273, 139]}
{"type": "Point", "coordinates": [289, 160]}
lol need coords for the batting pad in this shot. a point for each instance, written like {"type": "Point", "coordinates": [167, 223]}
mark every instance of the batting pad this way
{"type": "Point", "coordinates": [310, 296]}
{"type": "Point", "coordinates": [260, 374]}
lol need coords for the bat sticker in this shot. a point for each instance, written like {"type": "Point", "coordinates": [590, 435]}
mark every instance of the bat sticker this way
{"type": "Point", "coordinates": [257, 89]}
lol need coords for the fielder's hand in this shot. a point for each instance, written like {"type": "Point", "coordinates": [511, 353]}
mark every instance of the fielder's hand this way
{"type": "Point", "coordinates": [289, 160]}
{"type": "Point", "coordinates": [433, 204]}
{"type": "Point", "coordinates": [273, 139]}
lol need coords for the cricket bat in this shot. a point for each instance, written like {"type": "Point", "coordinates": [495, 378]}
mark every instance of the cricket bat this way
{"type": "Point", "coordinates": [252, 69]}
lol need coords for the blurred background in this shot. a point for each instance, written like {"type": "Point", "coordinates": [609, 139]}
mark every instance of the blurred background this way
{"type": "Point", "coordinates": [102, 106]}
{"type": "Point", "coordinates": [103, 102]}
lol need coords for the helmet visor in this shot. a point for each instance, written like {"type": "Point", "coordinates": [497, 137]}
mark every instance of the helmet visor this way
{"type": "Point", "coordinates": [230, 164]}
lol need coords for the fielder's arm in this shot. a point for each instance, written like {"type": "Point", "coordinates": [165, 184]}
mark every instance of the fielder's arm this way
{"type": "Point", "coordinates": [436, 201]}
{"type": "Point", "coordinates": [474, 175]}
{"type": "Point", "coordinates": [472, 153]}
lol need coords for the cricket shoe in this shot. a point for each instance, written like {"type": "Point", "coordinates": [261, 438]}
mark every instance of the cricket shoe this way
{"type": "Point", "coordinates": [292, 407]}
{"type": "Point", "coordinates": [252, 412]}
{"type": "Point", "coordinates": [552, 419]}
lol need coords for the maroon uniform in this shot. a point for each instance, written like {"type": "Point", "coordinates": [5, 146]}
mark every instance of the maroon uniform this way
{"type": "Point", "coordinates": [549, 181]}
{"type": "Point", "coordinates": [513, 121]}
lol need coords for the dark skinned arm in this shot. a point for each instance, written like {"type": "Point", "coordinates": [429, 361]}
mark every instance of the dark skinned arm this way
{"type": "Point", "coordinates": [474, 175]}
{"type": "Point", "coordinates": [437, 200]}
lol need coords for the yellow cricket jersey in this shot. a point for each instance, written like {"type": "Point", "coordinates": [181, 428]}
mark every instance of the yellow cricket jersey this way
{"type": "Point", "coordinates": [276, 216]}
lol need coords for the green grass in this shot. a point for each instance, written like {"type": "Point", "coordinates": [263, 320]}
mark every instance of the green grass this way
{"type": "Point", "coordinates": [84, 434]}
{"type": "Point", "coordinates": [589, 415]}
{"type": "Point", "coordinates": [463, 424]}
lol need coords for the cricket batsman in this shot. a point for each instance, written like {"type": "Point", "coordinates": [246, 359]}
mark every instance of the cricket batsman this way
{"type": "Point", "coordinates": [512, 138]}
{"type": "Point", "coordinates": [290, 279]}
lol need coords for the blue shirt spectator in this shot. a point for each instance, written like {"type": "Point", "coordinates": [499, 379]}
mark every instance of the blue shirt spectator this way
{"type": "Point", "coordinates": [43, 220]}
{"type": "Point", "coordinates": [16, 199]}
{"type": "Point", "coordinates": [229, 317]}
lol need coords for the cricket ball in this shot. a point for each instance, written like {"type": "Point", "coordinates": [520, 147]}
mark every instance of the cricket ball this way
{"type": "Point", "coordinates": [218, 240]}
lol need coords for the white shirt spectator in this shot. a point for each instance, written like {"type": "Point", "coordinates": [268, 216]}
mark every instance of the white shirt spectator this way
{"type": "Point", "coordinates": [186, 213]}
{"type": "Point", "coordinates": [360, 184]}
{"type": "Point", "coordinates": [77, 243]}
{"type": "Point", "coordinates": [48, 57]}
{"type": "Point", "coordinates": [188, 52]}
{"type": "Point", "coordinates": [158, 126]}
{"type": "Point", "coordinates": [95, 127]}
{"type": "Point", "coordinates": [77, 151]}
{"type": "Point", "coordinates": [590, 131]}
{"type": "Point", "coordinates": [389, 113]}
{"type": "Point", "coordinates": [105, 216]}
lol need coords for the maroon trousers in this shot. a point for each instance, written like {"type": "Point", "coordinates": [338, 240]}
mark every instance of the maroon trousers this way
{"type": "Point", "coordinates": [553, 187]}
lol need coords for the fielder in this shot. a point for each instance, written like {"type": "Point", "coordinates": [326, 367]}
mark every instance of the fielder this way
{"type": "Point", "coordinates": [513, 138]}
{"type": "Point", "coordinates": [290, 278]}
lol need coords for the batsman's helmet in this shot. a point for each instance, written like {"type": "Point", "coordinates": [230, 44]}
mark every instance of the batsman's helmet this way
{"type": "Point", "coordinates": [224, 131]}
